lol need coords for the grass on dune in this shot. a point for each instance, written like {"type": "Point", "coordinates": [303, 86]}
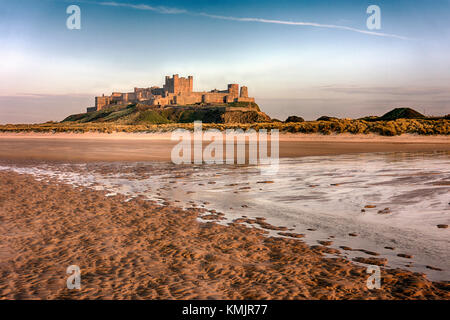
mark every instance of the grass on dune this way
{"type": "Point", "coordinates": [385, 128]}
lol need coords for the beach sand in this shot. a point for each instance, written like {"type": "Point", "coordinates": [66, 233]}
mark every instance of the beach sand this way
{"type": "Point", "coordinates": [139, 250]}
{"type": "Point", "coordinates": [157, 146]}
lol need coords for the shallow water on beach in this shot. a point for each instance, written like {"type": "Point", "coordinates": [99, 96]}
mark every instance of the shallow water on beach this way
{"type": "Point", "coordinates": [408, 194]}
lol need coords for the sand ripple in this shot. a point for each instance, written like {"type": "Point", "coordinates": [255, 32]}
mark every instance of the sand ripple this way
{"type": "Point", "coordinates": [139, 250]}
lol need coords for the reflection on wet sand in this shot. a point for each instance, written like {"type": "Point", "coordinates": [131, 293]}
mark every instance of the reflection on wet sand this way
{"type": "Point", "coordinates": [387, 205]}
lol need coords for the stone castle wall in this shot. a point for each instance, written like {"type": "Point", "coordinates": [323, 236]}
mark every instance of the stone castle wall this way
{"type": "Point", "coordinates": [175, 91]}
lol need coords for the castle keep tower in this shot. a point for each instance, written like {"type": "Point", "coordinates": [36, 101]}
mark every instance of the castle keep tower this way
{"type": "Point", "coordinates": [177, 85]}
{"type": "Point", "coordinates": [233, 90]}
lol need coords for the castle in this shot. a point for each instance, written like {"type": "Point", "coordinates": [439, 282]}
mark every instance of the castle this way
{"type": "Point", "coordinates": [176, 91]}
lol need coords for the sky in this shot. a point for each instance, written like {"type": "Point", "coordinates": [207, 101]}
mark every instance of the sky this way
{"type": "Point", "coordinates": [306, 58]}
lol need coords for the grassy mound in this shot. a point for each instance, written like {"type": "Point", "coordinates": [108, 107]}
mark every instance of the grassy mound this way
{"type": "Point", "coordinates": [401, 113]}
{"type": "Point", "coordinates": [237, 112]}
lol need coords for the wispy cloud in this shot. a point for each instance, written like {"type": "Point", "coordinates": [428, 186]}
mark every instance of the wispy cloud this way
{"type": "Point", "coordinates": [145, 7]}
{"type": "Point", "coordinates": [167, 10]}
{"type": "Point", "coordinates": [309, 24]}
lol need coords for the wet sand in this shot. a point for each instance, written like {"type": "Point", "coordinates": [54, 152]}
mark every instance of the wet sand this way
{"type": "Point", "coordinates": [140, 250]}
{"type": "Point", "coordinates": [158, 146]}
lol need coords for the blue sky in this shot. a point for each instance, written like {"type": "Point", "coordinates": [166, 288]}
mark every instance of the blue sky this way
{"type": "Point", "coordinates": [48, 71]}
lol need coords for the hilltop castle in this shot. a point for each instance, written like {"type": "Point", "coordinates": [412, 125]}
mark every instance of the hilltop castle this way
{"type": "Point", "coordinates": [176, 91]}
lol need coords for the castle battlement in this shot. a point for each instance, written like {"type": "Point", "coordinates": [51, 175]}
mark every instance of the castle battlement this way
{"type": "Point", "coordinates": [175, 91]}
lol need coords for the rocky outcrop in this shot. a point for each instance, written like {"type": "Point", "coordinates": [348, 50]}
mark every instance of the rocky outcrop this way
{"type": "Point", "coordinates": [244, 117]}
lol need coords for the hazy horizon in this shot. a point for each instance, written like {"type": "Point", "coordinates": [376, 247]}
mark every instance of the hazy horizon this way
{"type": "Point", "coordinates": [306, 58]}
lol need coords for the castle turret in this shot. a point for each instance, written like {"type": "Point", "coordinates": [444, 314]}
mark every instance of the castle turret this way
{"type": "Point", "coordinates": [244, 92]}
